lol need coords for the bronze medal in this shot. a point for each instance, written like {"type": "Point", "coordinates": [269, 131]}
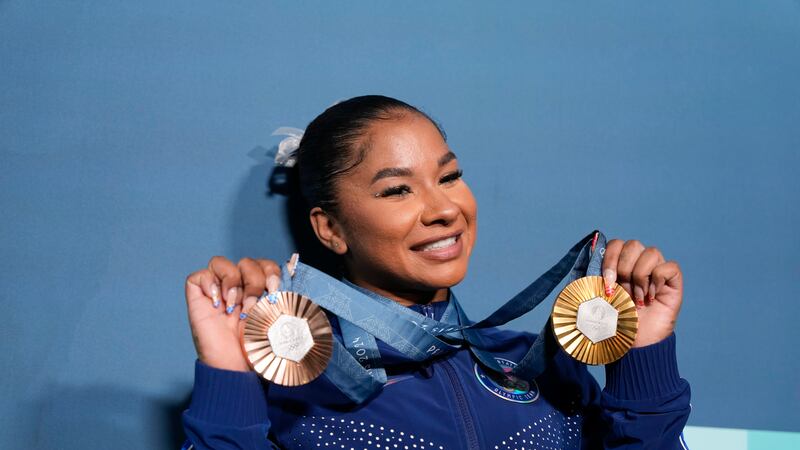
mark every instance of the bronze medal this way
{"type": "Point", "coordinates": [288, 342]}
{"type": "Point", "coordinates": [591, 327]}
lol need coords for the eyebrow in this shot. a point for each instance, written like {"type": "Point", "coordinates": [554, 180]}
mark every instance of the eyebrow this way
{"type": "Point", "coordinates": [449, 156]}
{"type": "Point", "coordinates": [405, 172]}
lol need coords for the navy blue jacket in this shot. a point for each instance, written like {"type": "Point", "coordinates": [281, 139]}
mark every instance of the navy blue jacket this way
{"type": "Point", "coordinates": [450, 403]}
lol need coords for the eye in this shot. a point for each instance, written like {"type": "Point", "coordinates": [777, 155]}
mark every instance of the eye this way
{"type": "Point", "coordinates": [400, 190]}
{"type": "Point", "coordinates": [451, 177]}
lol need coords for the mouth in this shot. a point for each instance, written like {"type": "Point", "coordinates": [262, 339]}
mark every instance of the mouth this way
{"type": "Point", "coordinates": [440, 248]}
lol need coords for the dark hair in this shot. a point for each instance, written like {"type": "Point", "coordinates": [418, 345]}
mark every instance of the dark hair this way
{"type": "Point", "coordinates": [333, 144]}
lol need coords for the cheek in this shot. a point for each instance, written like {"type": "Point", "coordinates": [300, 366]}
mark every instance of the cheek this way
{"type": "Point", "coordinates": [380, 225]}
{"type": "Point", "coordinates": [468, 205]}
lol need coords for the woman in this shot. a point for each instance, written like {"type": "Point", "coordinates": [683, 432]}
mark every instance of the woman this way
{"type": "Point", "coordinates": [386, 196]}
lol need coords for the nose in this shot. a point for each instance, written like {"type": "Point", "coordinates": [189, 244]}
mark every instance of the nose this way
{"type": "Point", "coordinates": [439, 208]}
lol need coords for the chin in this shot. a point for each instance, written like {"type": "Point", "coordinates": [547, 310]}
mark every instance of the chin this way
{"type": "Point", "coordinates": [445, 277]}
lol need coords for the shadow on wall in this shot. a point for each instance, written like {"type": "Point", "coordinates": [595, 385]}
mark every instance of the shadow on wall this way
{"type": "Point", "coordinates": [270, 218]}
{"type": "Point", "coordinates": [87, 417]}
{"type": "Point", "coordinates": [256, 227]}
{"type": "Point", "coordinates": [263, 222]}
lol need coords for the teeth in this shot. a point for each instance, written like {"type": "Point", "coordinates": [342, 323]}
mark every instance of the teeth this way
{"type": "Point", "coordinates": [440, 244]}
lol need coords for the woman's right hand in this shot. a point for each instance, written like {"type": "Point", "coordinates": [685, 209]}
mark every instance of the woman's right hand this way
{"type": "Point", "coordinates": [218, 298]}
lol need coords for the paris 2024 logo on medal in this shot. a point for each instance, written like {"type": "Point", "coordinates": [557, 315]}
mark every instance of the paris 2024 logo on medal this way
{"type": "Point", "coordinates": [507, 387]}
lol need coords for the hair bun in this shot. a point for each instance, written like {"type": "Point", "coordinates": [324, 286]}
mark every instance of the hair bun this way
{"type": "Point", "coordinates": [283, 178]}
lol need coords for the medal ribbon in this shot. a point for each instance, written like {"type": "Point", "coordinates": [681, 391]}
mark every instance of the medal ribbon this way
{"type": "Point", "coordinates": [355, 366]}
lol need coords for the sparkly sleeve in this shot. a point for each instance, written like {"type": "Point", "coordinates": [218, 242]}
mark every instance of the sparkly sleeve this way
{"type": "Point", "coordinates": [228, 411]}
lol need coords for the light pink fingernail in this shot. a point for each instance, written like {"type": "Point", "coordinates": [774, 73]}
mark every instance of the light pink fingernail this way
{"type": "Point", "coordinates": [215, 295]}
{"type": "Point", "coordinates": [273, 283]}
{"type": "Point", "coordinates": [292, 265]}
{"type": "Point", "coordinates": [638, 294]}
{"type": "Point", "coordinates": [609, 278]}
{"type": "Point", "coordinates": [233, 295]}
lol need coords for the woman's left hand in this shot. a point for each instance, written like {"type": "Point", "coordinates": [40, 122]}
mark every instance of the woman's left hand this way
{"type": "Point", "coordinates": [656, 286]}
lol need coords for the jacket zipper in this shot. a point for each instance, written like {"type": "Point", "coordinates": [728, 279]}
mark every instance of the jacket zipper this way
{"type": "Point", "coordinates": [461, 398]}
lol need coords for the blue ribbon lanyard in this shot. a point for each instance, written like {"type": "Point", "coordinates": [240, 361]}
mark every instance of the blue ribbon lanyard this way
{"type": "Point", "coordinates": [355, 366]}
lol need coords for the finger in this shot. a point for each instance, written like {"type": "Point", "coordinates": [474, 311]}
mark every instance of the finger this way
{"type": "Point", "coordinates": [640, 276]}
{"type": "Point", "coordinates": [230, 278]}
{"type": "Point", "coordinates": [273, 275]}
{"type": "Point", "coordinates": [651, 288]}
{"type": "Point", "coordinates": [667, 274]}
{"type": "Point", "coordinates": [631, 251]}
{"type": "Point", "coordinates": [610, 259]}
{"type": "Point", "coordinates": [202, 285]}
{"type": "Point", "coordinates": [253, 277]}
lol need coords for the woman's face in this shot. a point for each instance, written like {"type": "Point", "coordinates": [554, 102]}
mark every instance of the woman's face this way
{"type": "Point", "coordinates": [407, 218]}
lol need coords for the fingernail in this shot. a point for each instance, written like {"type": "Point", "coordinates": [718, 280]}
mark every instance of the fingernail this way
{"type": "Point", "coordinates": [242, 316]}
{"type": "Point", "coordinates": [640, 303]}
{"type": "Point", "coordinates": [651, 292]}
{"type": "Point", "coordinates": [233, 295]}
{"type": "Point", "coordinates": [638, 294]}
{"type": "Point", "coordinates": [215, 295]}
{"type": "Point", "coordinates": [609, 277]}
{"type": "Point", "coordinates": [272, 298]}
{"type": "Point", "coordinates": [273, 283]}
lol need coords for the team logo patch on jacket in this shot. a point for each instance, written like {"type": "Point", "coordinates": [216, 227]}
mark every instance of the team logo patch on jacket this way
{"type": "Point", "coordinates": [507, 387]}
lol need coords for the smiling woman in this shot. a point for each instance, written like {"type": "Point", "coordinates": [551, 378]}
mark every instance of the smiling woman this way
{"type": "Point", "coordinates": [405, 221]}
{"type": "Point", "coordinates": [386, 196]}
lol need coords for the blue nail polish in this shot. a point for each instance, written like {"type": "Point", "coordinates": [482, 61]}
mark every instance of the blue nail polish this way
{"type": "Point", "coordinates": [272, 298]}
{"type": "Point", "coordinates": [216, 303]}
{"type": "Point", "coordinates": [242, 316]}
{"type": "Point", "coordinates": [229, 309]}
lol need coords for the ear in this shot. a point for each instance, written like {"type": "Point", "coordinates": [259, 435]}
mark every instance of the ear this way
{"type": "Point", "coordinates": [328, 230]}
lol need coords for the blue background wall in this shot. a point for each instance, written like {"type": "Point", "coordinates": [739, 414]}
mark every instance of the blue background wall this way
{"type": "Point", "coordinates": [134, 135]}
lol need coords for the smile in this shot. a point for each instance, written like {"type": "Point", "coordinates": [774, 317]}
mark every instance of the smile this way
{"type": "Point", "coordinates": [439, 244]}
{"type": "Point", "coordinates": [441, 249]}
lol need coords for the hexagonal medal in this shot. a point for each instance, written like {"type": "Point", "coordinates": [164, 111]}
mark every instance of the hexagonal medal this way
{"type": "Point", "coordinates": [591, 327]}
{"type": "Point", "coordinates": [288, 342]}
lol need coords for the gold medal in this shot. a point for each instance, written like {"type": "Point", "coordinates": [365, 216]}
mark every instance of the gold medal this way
{"type": "Point", "coordinates": [591, 327]}
{"type": "Point", "coordinates": [288, 342]}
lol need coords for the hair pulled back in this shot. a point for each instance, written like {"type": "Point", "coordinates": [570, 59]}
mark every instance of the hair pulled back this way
{"type": "Point", "coordinates": [333, 144]}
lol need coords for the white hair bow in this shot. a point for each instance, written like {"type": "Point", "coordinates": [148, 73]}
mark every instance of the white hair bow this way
{"type": "Point", "coordinates": [287, 148]}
